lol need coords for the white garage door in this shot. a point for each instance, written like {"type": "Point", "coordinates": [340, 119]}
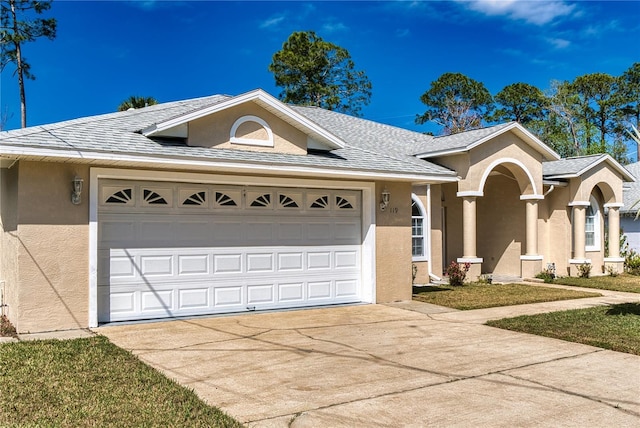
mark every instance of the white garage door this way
{"type": "Point", "coordinates": [176, 249]}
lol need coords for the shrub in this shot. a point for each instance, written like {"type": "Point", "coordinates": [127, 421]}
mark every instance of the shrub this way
{"type": "Point", "coordinates": [546, 275]}
{"type": "Point", "coordinates": [612, 271]}
{"type": "Point", "coordinates": [584, 270]}
{"type": "Point", "coordinates": [632, 263]}
{"type": "Point", "coordinates": [457, 273]}
{"type": "Point", "coordinates": [6, 328]}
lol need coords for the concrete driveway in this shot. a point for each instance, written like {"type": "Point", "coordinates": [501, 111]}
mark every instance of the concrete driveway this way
{"type": "Point", "coordinates": [376, 365]}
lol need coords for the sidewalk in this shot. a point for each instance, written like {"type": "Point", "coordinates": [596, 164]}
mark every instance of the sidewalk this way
{"type": "Point", "coordinates": [481, 316]}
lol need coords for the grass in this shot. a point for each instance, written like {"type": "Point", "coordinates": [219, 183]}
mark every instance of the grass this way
{"type": "Point", "coordinates": [614, 327]}
{"type": "Point", "coordinates": [91, 382]}
{"type": "Point", "coordinates": [628, 283]}
{"type": "Point", "coordinates": [478, 296]}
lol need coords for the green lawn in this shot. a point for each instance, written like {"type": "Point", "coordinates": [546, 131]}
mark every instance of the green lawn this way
{"type": "Point", "coordinates": [628, 283]}
{"type": "Point", "coordinates": [478, 296]}
{"type": "Point", "coordinates": [611, 327]}
{"type": "Point", "coordinates": [91, 382]}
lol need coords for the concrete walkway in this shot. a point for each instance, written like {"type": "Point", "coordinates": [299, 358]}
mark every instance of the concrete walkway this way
{"type": "Point", "coordinates": [405, 364]}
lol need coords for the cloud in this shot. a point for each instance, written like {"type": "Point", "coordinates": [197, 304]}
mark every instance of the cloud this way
{"type": "Point", "coordinates": [402, 32]}
{"type": "Point", "coordinates": [272, 22]}
{"type": "Point", "coordinates": [533, 12]}
{"type": "Point", "coordinates": [559, 43]}
{"type": "Point", "coordinates": [333, 27]}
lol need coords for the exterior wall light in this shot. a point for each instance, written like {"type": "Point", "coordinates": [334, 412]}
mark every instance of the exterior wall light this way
{"type": "Point", "coordinates": [77, 191]}
{"type": "Point", "coordinates": [386, 196]}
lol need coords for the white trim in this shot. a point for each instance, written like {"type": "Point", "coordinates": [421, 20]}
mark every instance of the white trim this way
{"type": "Point", "coordinates": [614, 205]}
{"type": "Point", "coordinates": [500, 161]}
{"type": "Point", "coordinates": [579, 204]}
{"type": "Point", "coordinates": [266, 101]}
{"type": "Point", "coordinates": [93, 247]}
{"type": "Point", "coordinates": [531, 257]}
{"type": "Point", "coordinates": [368, 273]}
{"type": "Point", "coordinates": [269, 142]}
{"type": "Point", "coordinates": [425, 228]}
{"type": "Point", "coordinates": [614, 259]}
{"type": "Point", "coordinates": [472, 260]}
{"type": "Point", "coordinates": [521, 131]}
{"type": "Point", "coordinates": [579, 261]}
{"type": "Point", "coordinates": [469, 193]}
{"type": "Point", "coordinates": [597, 232]}
{"type": "Point", "coordinates": [531, 197]}
{"type": "Point", "coordinates": [219, 166]}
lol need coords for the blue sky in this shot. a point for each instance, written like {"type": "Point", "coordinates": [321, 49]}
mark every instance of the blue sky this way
{"type": "Point", "coordinates": [106, 51]}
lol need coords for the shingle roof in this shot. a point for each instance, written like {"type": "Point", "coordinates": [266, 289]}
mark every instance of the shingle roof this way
{"type": "Point", "coordinates": [369, 146]}
{"type": "Point", "coordinates": [570, 166]}
{"type": "Point", "coordinates": [574, 166]}
{"type": "Point", "coordinates": [458, 141]}
{"type": "Point", "coordinates": [631, 191]}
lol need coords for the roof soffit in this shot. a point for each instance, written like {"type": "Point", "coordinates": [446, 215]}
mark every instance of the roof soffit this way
{"type": "Point", "coordinates": [315, 133]}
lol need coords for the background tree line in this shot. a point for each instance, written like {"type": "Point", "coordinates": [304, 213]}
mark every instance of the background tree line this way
{"type": "Point", "coordinates": [591, 114]}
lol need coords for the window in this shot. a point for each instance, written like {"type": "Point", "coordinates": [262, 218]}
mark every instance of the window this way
{"type": "Point", "coordinates": [592, 226]}
{"type": "Point", "coordinates": [417, 229]}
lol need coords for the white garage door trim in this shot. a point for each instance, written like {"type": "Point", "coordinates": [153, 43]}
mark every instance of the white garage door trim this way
{"type": "Point", "coordinates": [367, 220]}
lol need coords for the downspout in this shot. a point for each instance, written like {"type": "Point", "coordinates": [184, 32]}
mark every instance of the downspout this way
{"type": "Point", "coordinates": [549, 191]}
{"type": "Point", "coordinates": [428, 228]}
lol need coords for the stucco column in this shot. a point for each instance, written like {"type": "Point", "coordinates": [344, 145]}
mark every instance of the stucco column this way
{"type": "Point", "coordinates": [614, 231]}
{"type": "Point", "coordinates": [469, 233]}
{"type": "Point", "coordinates": [469, 227]}
{"type": "Point", "coordinates": [613, 262]}
{"type": "Point", "coordinates": [579, 221]}
{"type": "Point", "coordinates": [532, 228]}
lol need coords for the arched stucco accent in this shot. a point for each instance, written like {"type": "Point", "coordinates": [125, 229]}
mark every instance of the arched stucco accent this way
{"type": "Point", "coordinates": [251, 141]}
{"type": "Point", "coordinates": [608, 195]}
{"type": "Point", "coordinates": [519, 174]}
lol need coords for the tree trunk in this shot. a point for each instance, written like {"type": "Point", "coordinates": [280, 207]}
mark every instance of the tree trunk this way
{"type": "Point", "coordinates": [19, 68]}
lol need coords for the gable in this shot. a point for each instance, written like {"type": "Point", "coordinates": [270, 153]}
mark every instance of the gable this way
{"type": "Point", "coordinates": [249, 128]}
{"type": "Point", "coordinates": [246, 127]}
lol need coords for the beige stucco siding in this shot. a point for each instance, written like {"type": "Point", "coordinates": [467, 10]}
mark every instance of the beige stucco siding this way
{"type": "Point", "coordinates": [435, 258]}
{"type": "Point", "coordinates": [9, 241]}
{"type": "Point", "coordinates": [607, 180]}
{"type": "Point", "coordinates": [501, 226]}
{"type": "Point", "coordinates": [505, 147]}
{"type": "Point", "coordinates": [393, 244]}
{"type": "Point", "coordinates": [214, 131]}
{"type": "Point", "coordinates": [453, 223]}
{"type": "Point", "coordinates": [53, 261]}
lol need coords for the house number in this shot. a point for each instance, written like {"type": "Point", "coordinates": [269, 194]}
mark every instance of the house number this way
{"type": "Point", "coordinates": [393, 210]}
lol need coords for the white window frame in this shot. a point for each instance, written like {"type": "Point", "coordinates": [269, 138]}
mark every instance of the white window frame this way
{"type": "Point", "coordinates": [597, 216]}
{"type": "Point", "coordinates": [424, 257]}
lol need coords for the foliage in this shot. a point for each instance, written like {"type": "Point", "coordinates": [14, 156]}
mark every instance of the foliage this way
{"type": "Point", "coordinates": [546, 275]}
{"type": "Point", "coordinates": [457, 103]}
{"type": "Point", "coordinates": [519, 102]}
{"type": "Point", "coordinates": [624, 282]}
{"type": "Point", "coordinates": [632, 263]}
{"type": "Point", "coordinates": [457, 272]}
{"type": "Point", "coordinates": [584, 270]}
{"type": "Point", "coordinates": [315, 72]}
{"type": "Point", "coordinates": [588, 115]}
{"type": "Point", "coordinates": [414, 272]}
{"type": "Point", "coordinates": [612, 271]}
{"type": "Point", "coordinates": [91, 382]}
{"type": "Point", "coordinates": [6, 328]}
{"type": "Point", "coordinates": [19, 25]}
{"type": "Point", "coordinates": [614, 327]}
{"type": "Point", "coordinates": [478, 296]}
{"type": "Point", "coordinates": [136, 102]}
